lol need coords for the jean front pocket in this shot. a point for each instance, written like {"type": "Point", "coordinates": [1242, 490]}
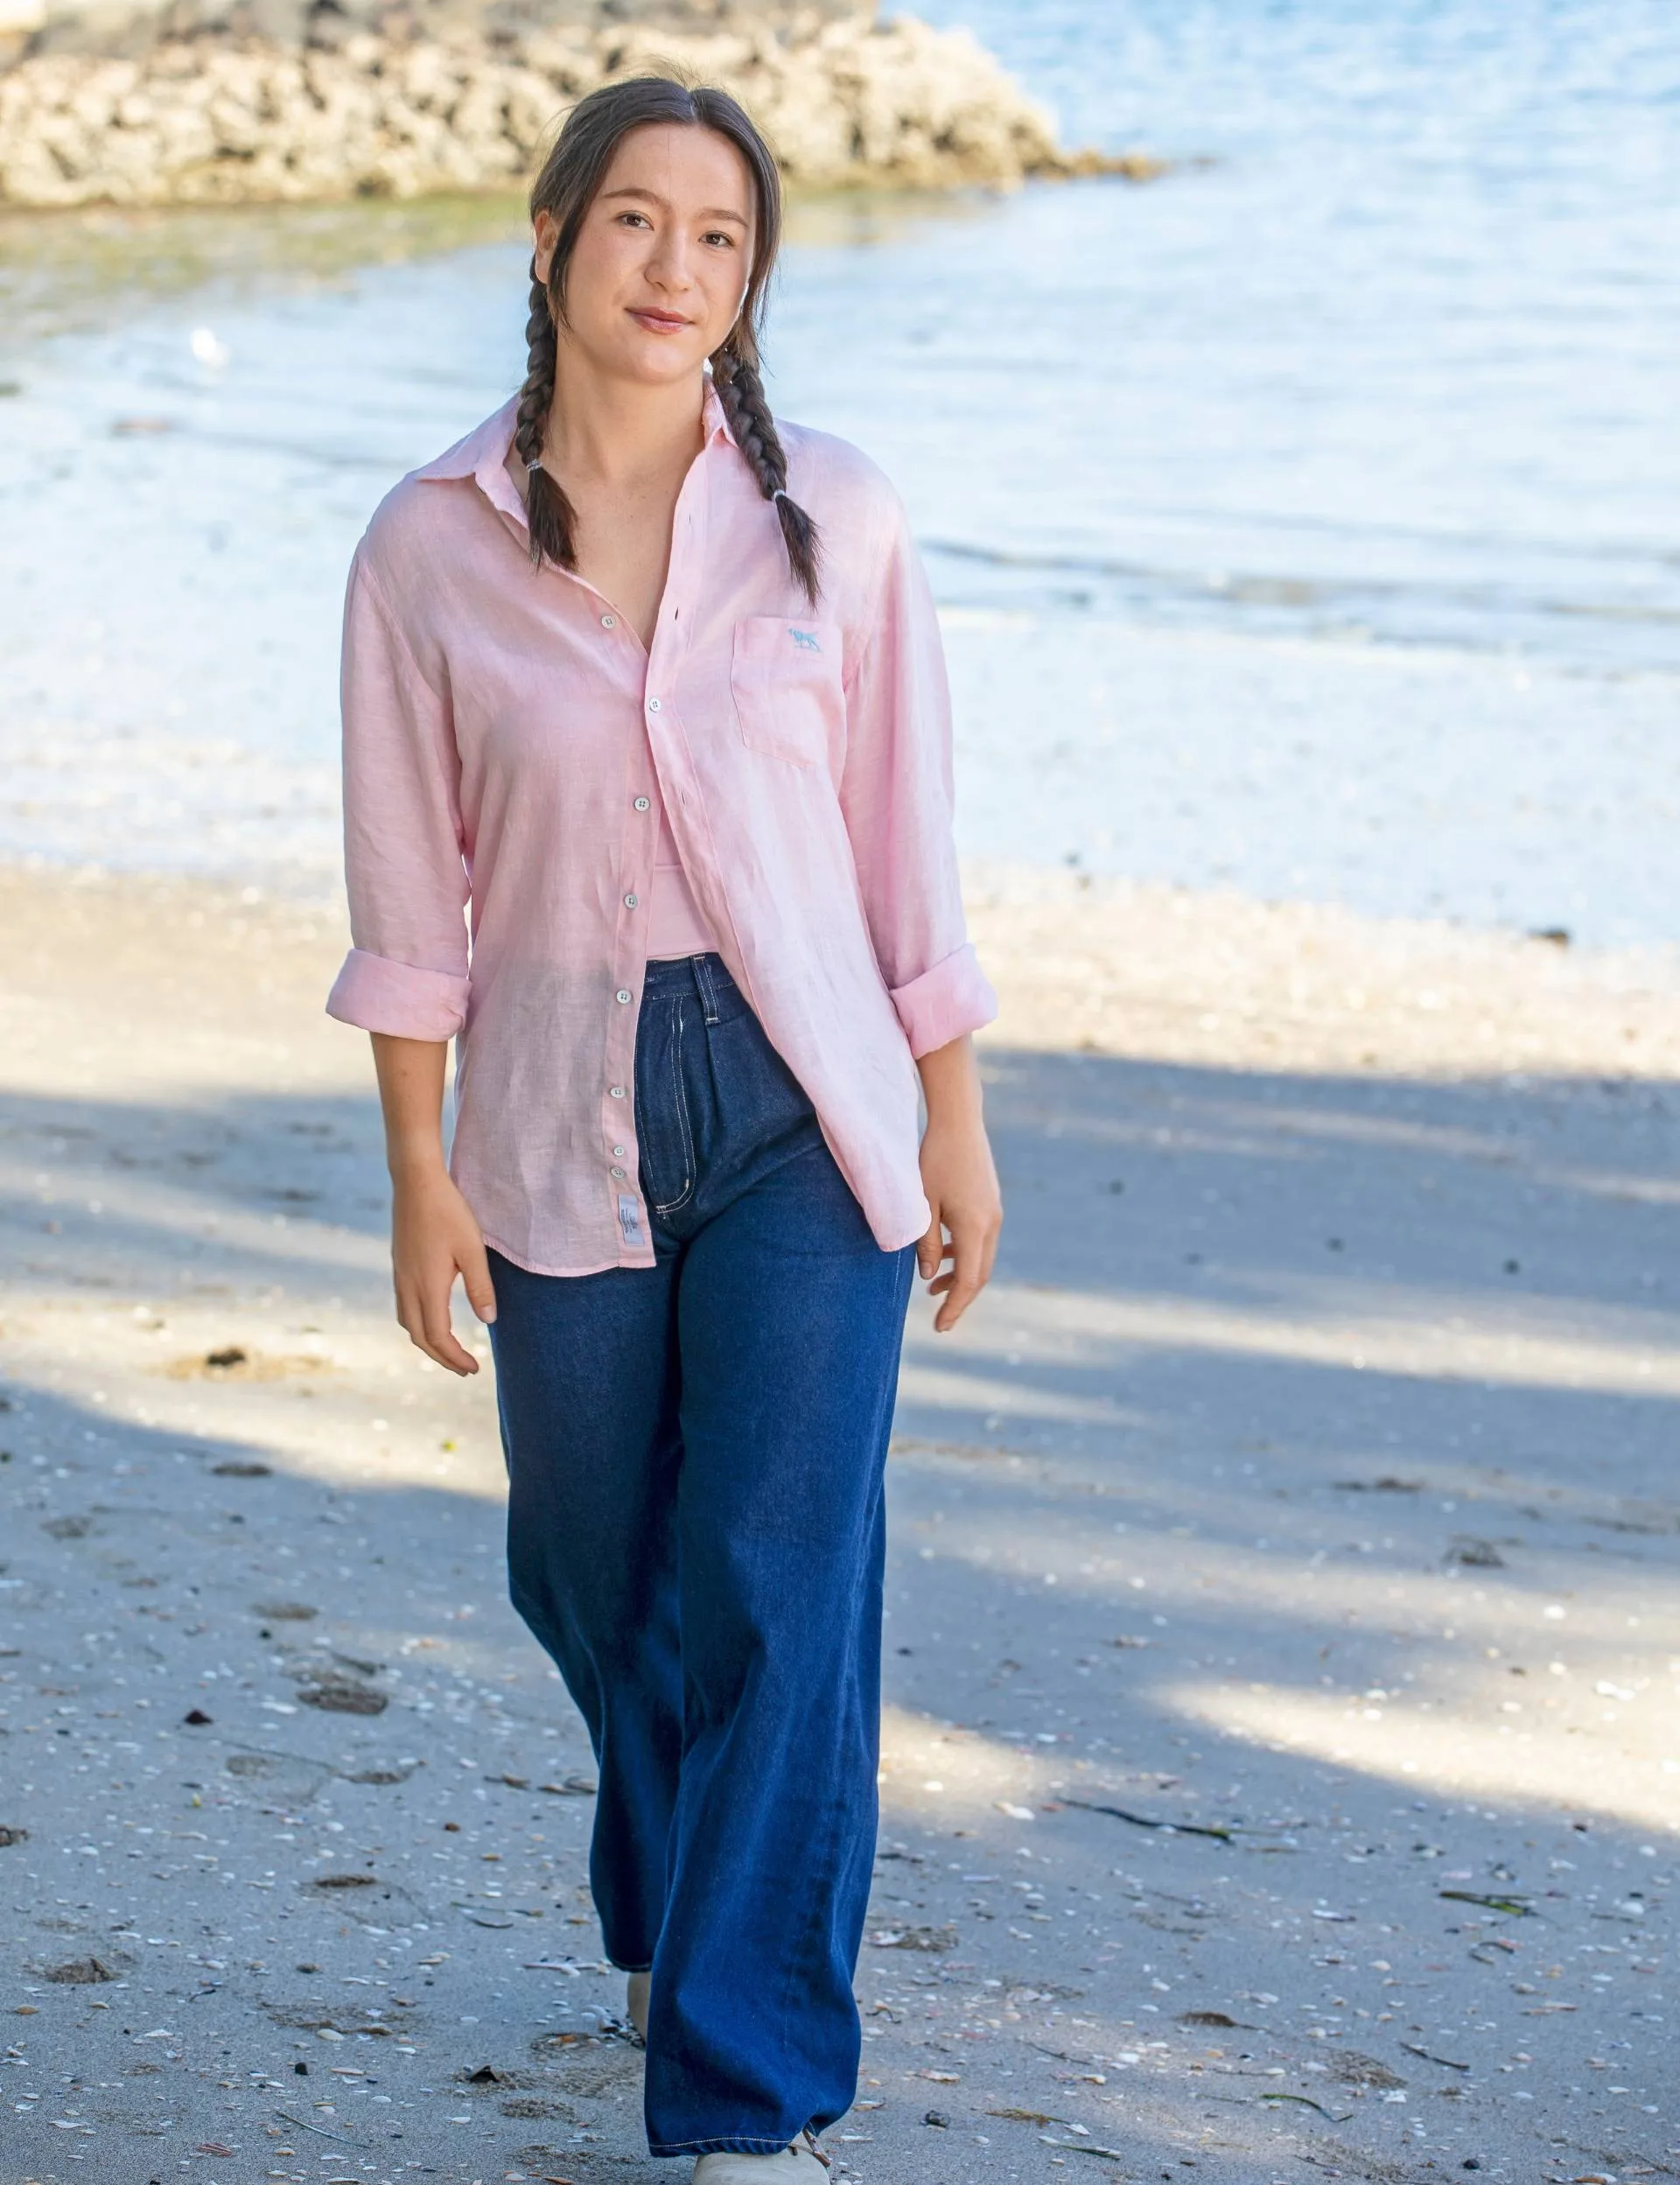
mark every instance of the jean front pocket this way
{"type": "Point", "coordinates": [789, 698]}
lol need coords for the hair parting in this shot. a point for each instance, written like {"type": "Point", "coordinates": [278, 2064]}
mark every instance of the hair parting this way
{"type": "Point", "coordinates": [566, 186]}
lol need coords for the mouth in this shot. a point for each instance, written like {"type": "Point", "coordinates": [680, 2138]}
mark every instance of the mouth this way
{"type": "Point", "coordinates": [659, 321]}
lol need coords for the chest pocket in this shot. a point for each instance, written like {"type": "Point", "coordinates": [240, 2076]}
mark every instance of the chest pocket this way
{"type": "Point", "coordinates": [788, 697]}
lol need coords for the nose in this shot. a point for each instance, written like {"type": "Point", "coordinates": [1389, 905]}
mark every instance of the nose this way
{"type": "Point", "coordinates": [670, 266]}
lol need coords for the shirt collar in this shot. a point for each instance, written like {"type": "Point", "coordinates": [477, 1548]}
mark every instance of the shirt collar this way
{"type": "Point", "coordinates": [482, 455]}
{"type": "Point", "coordinates": [485, 445]}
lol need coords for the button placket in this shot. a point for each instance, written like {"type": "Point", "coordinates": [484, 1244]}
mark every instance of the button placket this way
{"type": "Point", "coordinates": [671, 639]}
{"type": "Point", "coordinates": [631, 957]}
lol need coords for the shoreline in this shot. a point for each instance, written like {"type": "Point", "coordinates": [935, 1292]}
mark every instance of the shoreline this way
{"type": "Point", "coordinates": [846, 103]}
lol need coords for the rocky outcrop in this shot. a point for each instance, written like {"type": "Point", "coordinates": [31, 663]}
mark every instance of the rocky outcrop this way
{"type": "Point", "coordinates": [404, 110]}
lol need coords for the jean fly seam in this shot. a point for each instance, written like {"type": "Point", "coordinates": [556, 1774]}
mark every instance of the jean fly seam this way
{"type": "Point", "coordinates": [680, 1101]}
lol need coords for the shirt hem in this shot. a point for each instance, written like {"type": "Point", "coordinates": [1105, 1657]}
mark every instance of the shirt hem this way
{"type": "Point", "coordinates": [596, 1267]}
{"type": "Point", "coordinates": [910, 1236]}
{"type": "Point", "coordinates": [603, 1266]}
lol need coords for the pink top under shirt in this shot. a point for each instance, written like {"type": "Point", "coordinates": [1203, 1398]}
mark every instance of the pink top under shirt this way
{"type": "Point", "coordinates": [676, 925]}
{"type": "Point", "coordinates": [508, 743]}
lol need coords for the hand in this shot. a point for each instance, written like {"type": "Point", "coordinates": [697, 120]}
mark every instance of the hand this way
{"type": "Point", "coordinates": [960, 1182]}
{"type": "Point", "coordinates": [434, 1238]}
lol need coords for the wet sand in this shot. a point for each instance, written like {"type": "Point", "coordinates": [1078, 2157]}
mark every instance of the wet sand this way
{"type": "Point", "coordinates": [1280, 1774]}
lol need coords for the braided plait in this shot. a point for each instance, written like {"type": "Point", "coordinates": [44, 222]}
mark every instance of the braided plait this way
{"type": "Point", "coordinates": [550, 516]}
{"type": "Point", "coordinates": [734, 373]}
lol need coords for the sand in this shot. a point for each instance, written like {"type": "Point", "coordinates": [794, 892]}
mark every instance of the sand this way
{"type": "Point", "coordinates": [1280, 1776]}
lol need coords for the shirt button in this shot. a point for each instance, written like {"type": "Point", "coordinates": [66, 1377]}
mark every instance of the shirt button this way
{"type": "Point", "coordinates": [619, 1173]}
{"type": "Point", "coordinates": [617, 1091]}
{"type": "Point", "coordinates": [644, 803]}
{"type": "Point", "coordinates": [653, 705]}
{"type": "Point", "coordinates": [609, 622]}
{"type": "Point", "coordinates": [630, 901]}
{"type": "Point", "coordinates": [618, 1152]}
{"type": "Point", "coordinates": [623, 994]}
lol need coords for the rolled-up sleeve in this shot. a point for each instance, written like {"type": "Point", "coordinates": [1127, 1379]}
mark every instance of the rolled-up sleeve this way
{"type": "Point", "coordinates": [898, 798]}
{"type": "Point", "coordinates": [404, 870]}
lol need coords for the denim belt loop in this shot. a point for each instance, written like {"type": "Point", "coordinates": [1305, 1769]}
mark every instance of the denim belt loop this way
{"type": "Point", "coordinates": [703, 979]}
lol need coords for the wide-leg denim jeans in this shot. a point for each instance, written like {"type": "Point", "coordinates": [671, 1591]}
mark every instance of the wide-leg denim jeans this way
{"type": "Point", "coordinates": [695, 1533]}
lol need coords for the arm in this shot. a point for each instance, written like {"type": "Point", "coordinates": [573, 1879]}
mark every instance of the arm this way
{"type": "Point", "coordinates": [405, 980]}
{"type": "Point", "coordinates": [961, 1181]}
{"type": "Point", "coordinates": [434, 1237]}
{"type": "Point", "coordinates": [897, 795]}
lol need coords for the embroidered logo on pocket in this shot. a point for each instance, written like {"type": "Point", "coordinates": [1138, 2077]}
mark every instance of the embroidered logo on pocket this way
{"type": "Point", "coordinates": [785, 680]}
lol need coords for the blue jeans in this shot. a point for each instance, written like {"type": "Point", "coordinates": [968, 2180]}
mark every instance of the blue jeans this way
{"type": "Point", "coordinates": [695, 1534]}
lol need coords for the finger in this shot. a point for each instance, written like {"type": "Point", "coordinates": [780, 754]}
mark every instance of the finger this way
{"type": "Point", "coordinates": [930, 1250]}
{"type": "Point", "coordinates": [450, 1354]}
{"type": "Point", "coordinates": [966, 1278]}
{"type": "Point", "coordinates": [475, 1274]}
{"type": "Point", "coordinates": [417, 1336]}
{"type": "Point", "coordinates": [439, 1337]}
{"type": "Point", "coordinates": [411, 1316]}
{"type": "Point", "coordinates": [955, 1303]}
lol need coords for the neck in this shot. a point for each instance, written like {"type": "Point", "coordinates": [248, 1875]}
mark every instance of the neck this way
{"type": "Point", "coordinates": [614, 431]}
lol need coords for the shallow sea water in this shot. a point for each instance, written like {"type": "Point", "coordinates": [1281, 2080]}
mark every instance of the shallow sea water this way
{"type": "Point", "coordinates": [1304, 521]}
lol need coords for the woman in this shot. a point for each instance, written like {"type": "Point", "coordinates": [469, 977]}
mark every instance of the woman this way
{"type": "Point", "coordinates": [655, 692]}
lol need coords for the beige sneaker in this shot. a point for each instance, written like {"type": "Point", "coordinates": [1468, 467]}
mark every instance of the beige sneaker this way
{"type": "Point", "coordinates": [799, 2165]}
{"type": "Point", "coordinates": [635, 2003]}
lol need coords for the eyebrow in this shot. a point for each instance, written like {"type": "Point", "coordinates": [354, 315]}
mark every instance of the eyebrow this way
{"type": "Point", "coordinates": [709, 212]}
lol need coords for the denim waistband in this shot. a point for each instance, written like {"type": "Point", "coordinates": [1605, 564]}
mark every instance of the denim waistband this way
{"type": "Point", "coordinates": [704, 976]}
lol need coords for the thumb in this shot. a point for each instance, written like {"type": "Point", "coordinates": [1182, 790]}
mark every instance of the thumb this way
{"type": "Point", "coordinates": [475, 1276]}
{"type": "Point", "coordinates": [930, 1250]}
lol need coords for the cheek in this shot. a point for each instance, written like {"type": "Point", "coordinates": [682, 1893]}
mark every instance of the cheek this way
{"type": "Point", "coordinates": [723, 281]}
{"type": "Point", "coordinates": [600, 264]}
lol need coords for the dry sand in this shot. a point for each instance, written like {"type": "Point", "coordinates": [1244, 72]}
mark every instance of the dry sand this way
{"type": "Point", "coordinates": [1306, 1481]}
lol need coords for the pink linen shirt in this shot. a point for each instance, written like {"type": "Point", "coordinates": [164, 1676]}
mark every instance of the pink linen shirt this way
{"type": "Point", "coordinates": [508, 744]}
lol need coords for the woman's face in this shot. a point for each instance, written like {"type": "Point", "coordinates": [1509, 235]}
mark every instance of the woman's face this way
{"type": "Point", "coordinates": [662, 258]}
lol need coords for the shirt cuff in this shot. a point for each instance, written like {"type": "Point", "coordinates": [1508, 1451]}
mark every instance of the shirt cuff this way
{"type": "Point", "coordinates": [954, 998]}
{"type": "Point", "coordinates": [382, 994]}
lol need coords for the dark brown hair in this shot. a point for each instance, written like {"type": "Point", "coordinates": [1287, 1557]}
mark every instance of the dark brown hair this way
{"type": "Point", "coordinates": [566, 188]}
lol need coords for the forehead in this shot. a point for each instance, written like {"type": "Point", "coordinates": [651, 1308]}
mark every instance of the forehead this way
{"type": "Point", "coordinates": [687, 165]}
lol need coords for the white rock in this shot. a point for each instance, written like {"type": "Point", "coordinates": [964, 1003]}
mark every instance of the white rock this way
{"type": "Point", "coordinates": [844, 102]}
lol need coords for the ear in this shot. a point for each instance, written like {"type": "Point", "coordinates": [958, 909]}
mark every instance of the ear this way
{"type": "Point", "coordinates": [545, 232]}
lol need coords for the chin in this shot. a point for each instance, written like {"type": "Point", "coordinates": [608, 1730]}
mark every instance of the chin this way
{"type": "Point", "coordinates": [656, 362]}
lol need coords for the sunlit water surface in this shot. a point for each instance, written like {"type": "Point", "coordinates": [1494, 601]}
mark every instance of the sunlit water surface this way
{"type": "Point", "coordinates": [1305, 521]}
